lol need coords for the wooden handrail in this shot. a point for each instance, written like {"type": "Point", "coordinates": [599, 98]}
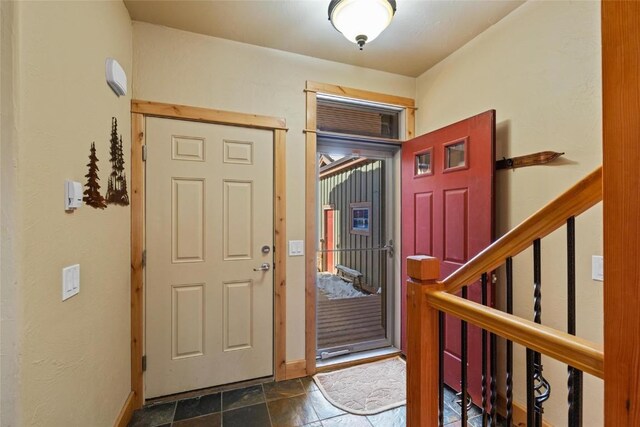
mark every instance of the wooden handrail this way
{"type": "Point", "coordinates": [574, 351]}
{"type": "Point", "coordinates": [572, 202]}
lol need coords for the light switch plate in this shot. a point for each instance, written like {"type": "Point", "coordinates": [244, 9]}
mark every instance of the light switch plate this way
{"type": "Point", "coordinates": [296, 247]}
{"type": "Point", "coordinates": [70, 281]}
{"type": "Point", "coordinates": [597, 268]}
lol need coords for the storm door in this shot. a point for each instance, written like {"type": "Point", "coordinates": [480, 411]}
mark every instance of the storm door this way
{"type": "Point", "coordinates": [355, 246]}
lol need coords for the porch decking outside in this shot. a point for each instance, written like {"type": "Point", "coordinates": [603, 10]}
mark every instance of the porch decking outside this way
{"type": "Point", "coordinates": [349, 320]}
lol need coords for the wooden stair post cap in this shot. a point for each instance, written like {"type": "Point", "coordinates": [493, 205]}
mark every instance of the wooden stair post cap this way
{"type": "Point", "coordinates": [422, 267]}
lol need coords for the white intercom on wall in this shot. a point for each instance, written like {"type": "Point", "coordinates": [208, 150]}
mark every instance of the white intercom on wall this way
{"type": "Point", "coordinates": [72, 195]}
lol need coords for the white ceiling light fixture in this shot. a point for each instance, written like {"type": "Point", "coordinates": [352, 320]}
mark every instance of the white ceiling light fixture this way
{"type": "Point", "coordinates": [361, 21]}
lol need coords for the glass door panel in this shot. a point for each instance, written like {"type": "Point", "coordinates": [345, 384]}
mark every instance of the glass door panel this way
{"type": "Point", "coordinates": [355, 254]}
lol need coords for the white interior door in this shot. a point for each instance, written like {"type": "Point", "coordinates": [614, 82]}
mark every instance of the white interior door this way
{"type": "Point", "coordinates": [209, 224]}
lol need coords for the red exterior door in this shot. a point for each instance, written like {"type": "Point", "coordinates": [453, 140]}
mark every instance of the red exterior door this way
{"type": "Point", "coordinates": [328, 238]}
{"type": "Point", "coordinates": [448, 213]}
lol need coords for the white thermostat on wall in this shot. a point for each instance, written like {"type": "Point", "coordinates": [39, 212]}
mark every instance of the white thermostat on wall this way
{"type": "Point", "coordinates": [72, 195]}
{"type": "Point", "coordinates": [116, 77]}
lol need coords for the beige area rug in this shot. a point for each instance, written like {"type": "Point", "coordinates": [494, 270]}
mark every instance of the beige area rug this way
{"type": "Point", "coordinates": [366, 389]}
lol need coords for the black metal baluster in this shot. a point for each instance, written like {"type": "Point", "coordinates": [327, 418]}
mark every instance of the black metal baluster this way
{"type": "Point", "coordinates": [494, 390]}
{"type": "Point", "coordinates": [463, 363]}
{"type": "Point", "coordinates": [541, 389]}
{"type": "Point", "coordinates": [574, 383]}
{"type": "Point", "coordinates": [509, 388]}
{"type": "Point", "coordinates": [531, 398]}
{"type": "Point", "coordinates": [441, 368]}
{"type": "Point", "coordinates": [484, 356]}
{"type": "Point", "coordinates": [537, 317]}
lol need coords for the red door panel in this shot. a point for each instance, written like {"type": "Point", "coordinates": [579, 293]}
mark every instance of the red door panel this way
{"type": "Point", "coordinates": [328, 238]}
{"type": "Point", "coordinates": [423, 206]}
{"type": "Point", "coordinates": [448, 213]}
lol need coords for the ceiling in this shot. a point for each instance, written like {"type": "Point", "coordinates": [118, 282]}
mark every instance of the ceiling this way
{"type": "Point", "coordinates": [422, 33]}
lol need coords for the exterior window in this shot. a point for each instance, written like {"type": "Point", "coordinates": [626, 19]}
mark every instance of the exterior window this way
{"type": "Point", "coordinates": [356, 119]}
{"type": "Point", "coordinates": [361, 218]}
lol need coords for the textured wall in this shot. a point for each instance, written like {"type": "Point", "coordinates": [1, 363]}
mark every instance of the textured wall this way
{"type": "Point", "coordinates": [73, 355]}
{"type": "Point", "coordinates": [8, 232]}
{"type": "Point", "coordinates": [540, 69]}
{"type": "Point", "coordinates": [186, 68]}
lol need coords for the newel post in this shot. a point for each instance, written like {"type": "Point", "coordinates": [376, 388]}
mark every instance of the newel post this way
{"type": "Point", "coordinates": [422, 343]}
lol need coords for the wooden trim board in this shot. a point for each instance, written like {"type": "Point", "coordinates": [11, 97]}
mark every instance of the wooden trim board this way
{"type": "Point", "coordinates": [350, 363]}
{"type": "Point", "coordinates": [366, 95]}
{"type": "Point", "coordinates": [139, 111]}
{"type": "Point", "coordinates": [621, 183]}
{"type": "Point", "coordinates": [296, 369]}
{"type": "Point", "coordinates": [206, 115]}
{"type": "Point", "coordinates": [311, 91]}
{"type": "Point", "coordinates": [137, 246]}
{"type": "Point", "coordinates": [279, 275]}
{"type": "Point", "coordinates": [126, 412]}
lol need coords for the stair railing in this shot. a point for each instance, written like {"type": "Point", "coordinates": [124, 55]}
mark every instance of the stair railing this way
{"type": "Point", "coordinates": [428, 299]}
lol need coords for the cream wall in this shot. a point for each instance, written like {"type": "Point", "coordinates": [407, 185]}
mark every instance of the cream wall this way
{"type": "Point", "coordinates": [539, 68]}
{"type": "Point", "coordinates": [8, 323]}
{"type": "Point", "coordinates": [73, 356]}
{"type": "Point", "coordinates": [185, 68]}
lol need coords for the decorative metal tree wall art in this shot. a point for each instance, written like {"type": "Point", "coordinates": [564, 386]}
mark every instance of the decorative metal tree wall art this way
{"type": "Point", "coordinates": [117, 186]}
{"type": "Point", "coordinates": [92, 196]}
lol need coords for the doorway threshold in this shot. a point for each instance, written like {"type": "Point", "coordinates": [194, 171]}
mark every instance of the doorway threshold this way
{"type": "Point", "coordinates": [359, 358]}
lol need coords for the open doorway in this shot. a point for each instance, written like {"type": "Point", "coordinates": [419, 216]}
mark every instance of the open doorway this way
{"type": "Point", "coordinates": [354, 281]}
{"type": "Point", "coordinates": [358, 122]}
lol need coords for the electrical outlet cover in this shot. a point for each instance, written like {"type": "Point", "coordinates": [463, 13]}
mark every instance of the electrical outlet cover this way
{"type": "Point", "coordinates": [597, 268]}
{"type": "Point", "coordinates": [296, 247]}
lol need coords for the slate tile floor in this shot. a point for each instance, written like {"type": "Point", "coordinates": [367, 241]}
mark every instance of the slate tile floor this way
{"type": "Point", "coordinates": [289, 403]}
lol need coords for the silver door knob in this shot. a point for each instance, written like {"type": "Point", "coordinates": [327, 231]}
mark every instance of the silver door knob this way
{"type": "Point", "coordinates": [264, 267]}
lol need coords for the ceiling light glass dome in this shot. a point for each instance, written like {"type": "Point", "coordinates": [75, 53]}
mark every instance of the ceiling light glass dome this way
{"type": "Point", "coordinates": [361, 21]}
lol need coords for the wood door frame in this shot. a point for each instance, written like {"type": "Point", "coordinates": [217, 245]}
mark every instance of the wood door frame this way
{"type": "Point", "coordinates": [139, 111]}
{"type": "Point", "coordinates": [312, 89]}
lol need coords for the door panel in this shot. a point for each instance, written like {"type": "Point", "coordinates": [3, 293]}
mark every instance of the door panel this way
{"type": "Point", "coordinates": [423, 229]}
{"type": "Point", "coordinates": [187, 220]}
{"type": "Point", "coordinates": [187, 319]}
{"type": "Point", "coordinates": [238, 220]}
{"type": "Point", "coordinates": [447, 212]}
{"type": "Point", "coordinates": [209, 204]}
{"type": "Point", "coordinates": [238, 314]}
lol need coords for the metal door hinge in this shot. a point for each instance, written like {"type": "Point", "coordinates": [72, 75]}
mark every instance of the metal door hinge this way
{"type": "Point", "coordinates": [144, 153]}
{"type": "Point", "coordinates": [144, 258]}
{"type": "Point", "coordinates": [144, 363]}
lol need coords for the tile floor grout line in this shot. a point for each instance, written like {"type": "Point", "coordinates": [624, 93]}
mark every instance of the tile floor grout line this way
{"type": "Point", "coordinates": [306, 395]}
{"type": "Point", "coordinates": [221, 408]}
{"type": "Point", "coordinates": [313, 408]}
{"type": "Point", "coordinates": [175, 409]}
{"type": "Point", "coordinates": [266, 404]}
